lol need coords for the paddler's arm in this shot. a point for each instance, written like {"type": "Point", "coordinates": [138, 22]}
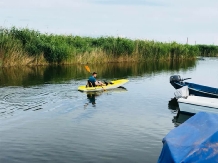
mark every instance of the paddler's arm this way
{"type": "Point", "coordinates": [99, 83]}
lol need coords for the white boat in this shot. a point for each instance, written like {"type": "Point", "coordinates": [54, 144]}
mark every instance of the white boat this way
{"type": "Point", "coordinates": [194, 104]}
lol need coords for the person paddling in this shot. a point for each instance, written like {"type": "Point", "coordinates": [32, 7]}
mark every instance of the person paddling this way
{"type": "Point", "coordinates": [93, 82]}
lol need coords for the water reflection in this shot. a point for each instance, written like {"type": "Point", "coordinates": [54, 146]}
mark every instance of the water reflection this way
{"type": "Point", "coordinates": [173, 105]}
{"type": "Point", "coordinates": [27, 76]}
{"type": "Point", "coordinates": [180, 117]}
{"type": "Point", "coordinates": [92, 96]}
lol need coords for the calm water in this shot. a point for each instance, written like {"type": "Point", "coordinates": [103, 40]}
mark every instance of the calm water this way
{"type": "Point", "coordinates": [43, 118]}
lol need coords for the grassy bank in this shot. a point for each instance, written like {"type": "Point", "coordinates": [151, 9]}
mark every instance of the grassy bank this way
{"type": "Point", "coordinates": [29, 47]}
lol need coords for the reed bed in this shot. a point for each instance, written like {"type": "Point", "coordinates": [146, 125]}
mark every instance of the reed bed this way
{"type": "Point", "coordinates": [208, 50]}
{"type": "Point", "coordinates": [30, 47]}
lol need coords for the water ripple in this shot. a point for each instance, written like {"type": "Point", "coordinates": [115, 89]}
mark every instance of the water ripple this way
{"type": "Point", "coordinates": [15, 99]}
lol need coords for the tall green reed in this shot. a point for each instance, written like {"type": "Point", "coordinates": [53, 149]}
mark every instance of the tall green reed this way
{"type": "Point", "coordinates": [62, 49]}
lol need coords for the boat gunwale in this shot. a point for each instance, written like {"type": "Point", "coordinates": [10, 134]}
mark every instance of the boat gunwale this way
{"type": "Point", "coordinates": [197, 105]}
{"type": "Point", "coordinates": [198, 90]}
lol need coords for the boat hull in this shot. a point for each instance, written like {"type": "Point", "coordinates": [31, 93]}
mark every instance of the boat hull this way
{"type": "Point", "coordinates": [195, 104]}
{"type": "Point", "coordinates": [197, 90]}
{"type": "Point", "coordinates": [194, 141]}
{"type": "Point", "coordinates": [116, 83]}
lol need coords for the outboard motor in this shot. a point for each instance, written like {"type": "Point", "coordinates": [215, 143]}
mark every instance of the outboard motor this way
{"type": "Point", "coordinates": [175, 78]}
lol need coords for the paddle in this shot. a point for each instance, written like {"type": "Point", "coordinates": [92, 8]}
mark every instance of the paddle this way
{"type": "Point", "coordinates": [88, 69]}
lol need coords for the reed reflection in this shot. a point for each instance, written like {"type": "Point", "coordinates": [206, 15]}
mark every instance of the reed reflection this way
{"type": "Point", "coordinates": [27, 76]}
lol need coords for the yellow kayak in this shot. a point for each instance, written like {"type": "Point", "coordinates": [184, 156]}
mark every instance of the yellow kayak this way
{"type": "Point", "coordinates": [111, 85]}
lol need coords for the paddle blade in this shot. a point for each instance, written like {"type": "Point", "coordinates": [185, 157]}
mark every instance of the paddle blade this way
{"type": "Point", "coordinates": [87, 68]}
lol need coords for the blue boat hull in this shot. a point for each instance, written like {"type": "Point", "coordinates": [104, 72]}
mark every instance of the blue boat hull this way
{"type": "Point", "coordinates": [194, 141]}
{"type": "Point", "coordinates": [196, 89]}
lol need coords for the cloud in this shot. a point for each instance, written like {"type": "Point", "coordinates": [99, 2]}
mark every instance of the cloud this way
{"type": "Point", "coordinates": [128, 2]}
{"type": "Point", "coordinates": [41, 4]}
{"type": "Point", "coordinates": [161, 20]}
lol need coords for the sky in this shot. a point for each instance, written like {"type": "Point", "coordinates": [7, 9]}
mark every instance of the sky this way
{"type": "Point", "coordinates": [158, 20]}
